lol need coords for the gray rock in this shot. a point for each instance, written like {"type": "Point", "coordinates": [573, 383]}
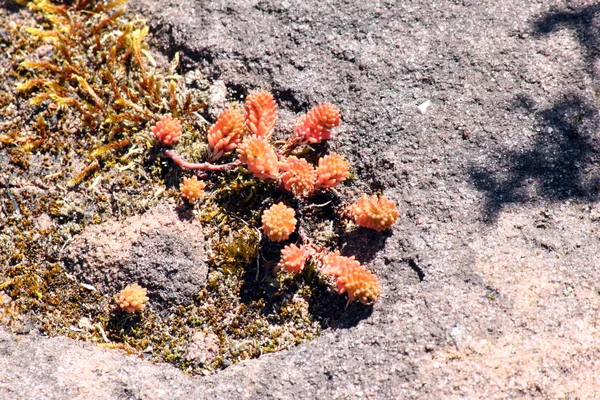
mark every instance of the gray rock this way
{"type": "Point", "coordinates": [476, 249]}
{"type": "Point", "coordinates": [59, 368]}
{"type": "Point", "coordinates": [217, 99]}
{"type": "Point", "coordinates": [160, 250]}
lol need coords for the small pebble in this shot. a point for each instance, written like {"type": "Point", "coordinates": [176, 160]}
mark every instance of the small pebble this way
{"type": "Point", "coordinates": [423, 107]}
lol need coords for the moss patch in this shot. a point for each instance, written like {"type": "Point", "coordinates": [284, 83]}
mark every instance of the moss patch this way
{"type": "Point", "coordinates": [80, 92]}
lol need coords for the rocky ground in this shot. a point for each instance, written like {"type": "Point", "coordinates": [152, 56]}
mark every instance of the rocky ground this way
{"type": "Point", "coordinates": [490, 278]}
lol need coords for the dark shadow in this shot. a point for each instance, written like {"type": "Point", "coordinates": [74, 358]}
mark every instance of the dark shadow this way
{"type": "Point", "coordinates": [352, 315]}
{"type": "Point", "coordinates": [363, 243]}
{"type": "Point", "coordinates": [585, 23]}
{"type": "Point", "coordinates": [415, 267]}
{"type": "Point", "coordinates": [291, 100]}
{"type": "Point", "coordinates": [325, 305]}
{"type": "Point", "coordinates": [121, 323]}
{"type": "Point", "coordinates": [169, 171]}
{"type": "Point", "coordinates": [185, 211]}
{"type": "Point", "coordinates": [332, 310]}
{"type": "Point", "coordinates": [11, 6]}
{"type": "Point", "coordinates": [559, 165]}
{"type": "Point", "coordinates": [237, 91]}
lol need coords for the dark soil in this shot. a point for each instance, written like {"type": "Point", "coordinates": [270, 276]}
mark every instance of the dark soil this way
{"type": "Point", "coordinates": [490, 278]}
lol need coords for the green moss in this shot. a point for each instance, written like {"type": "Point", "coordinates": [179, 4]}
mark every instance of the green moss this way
{"type": "Point", "coordinates": [80, 153]}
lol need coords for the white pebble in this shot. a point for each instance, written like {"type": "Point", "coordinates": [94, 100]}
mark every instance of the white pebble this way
{"type": "Point", "coordinates": [424, 106]}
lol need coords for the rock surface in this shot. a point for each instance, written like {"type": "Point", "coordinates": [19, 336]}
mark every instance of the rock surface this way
{"type": "Point", "coordinates": [59, 368]}
{"type": "Point", "coordinates": [490, 279]}
{"type": "Point", "coordinates": [160, 250]}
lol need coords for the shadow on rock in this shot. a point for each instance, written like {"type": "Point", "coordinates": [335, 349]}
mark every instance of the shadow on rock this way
{"type": "Point", "coordinates": [185, 212]}
{"type": "Point", "coordinates": [325, 305]}
{"type": "Point", "coordinates": [584, 21]}
{"type": "Point", "coordinates": [560, 165]}
{"type": "Point", "coordinates": [10, 6]}
{"type": "Point", "coordinates": [364, 243]}
{"type": "Point", "coordinates": [333, 310]}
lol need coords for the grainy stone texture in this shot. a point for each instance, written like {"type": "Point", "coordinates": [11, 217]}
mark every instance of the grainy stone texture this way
{"type": "Point", "coordinates": [490, 278]}
{"type": "Point", "coordinates": [161, 250]}
{"type": "Point", "coordinates": [59, 368]}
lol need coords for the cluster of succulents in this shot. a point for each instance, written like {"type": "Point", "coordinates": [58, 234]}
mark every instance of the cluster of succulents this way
{"type": "Point", "coordinates": [243, 133]}
{"type": "Point", "coordinates": [99, 98]}
{"type": "Point", "coordinates": [249, 133]}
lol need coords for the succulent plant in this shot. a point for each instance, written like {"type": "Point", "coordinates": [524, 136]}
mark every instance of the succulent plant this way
{"type": "Point", "coordinates": [132, 298]}
{"type": "Point", "coordinates": [334, 264]}
{"type": "Point", "coordinates": [167, 130]}
{"type": "Point", "coordinates": [293, 258]}
{"type": "Point", "coordinates": [224, 136]}
{"type": "Point", "coordinates": [192, 189]}
{"type": "Point", "coordinates": [359, 283]}
{"type": "Point", "coordinates": [299, 177]}
{"type": "Point", "coordinates": [332, 170]}
{"type": "Point", "coordinates": [378, 213]}
{"type": "Point", "coordinates": [261, 113]}
{"type": "Point", "coordinates": [316, 125]}
{"type": "Point", "coordinates": [278, 222]}
{"type": "Point", "coordinates": [259, 156]}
